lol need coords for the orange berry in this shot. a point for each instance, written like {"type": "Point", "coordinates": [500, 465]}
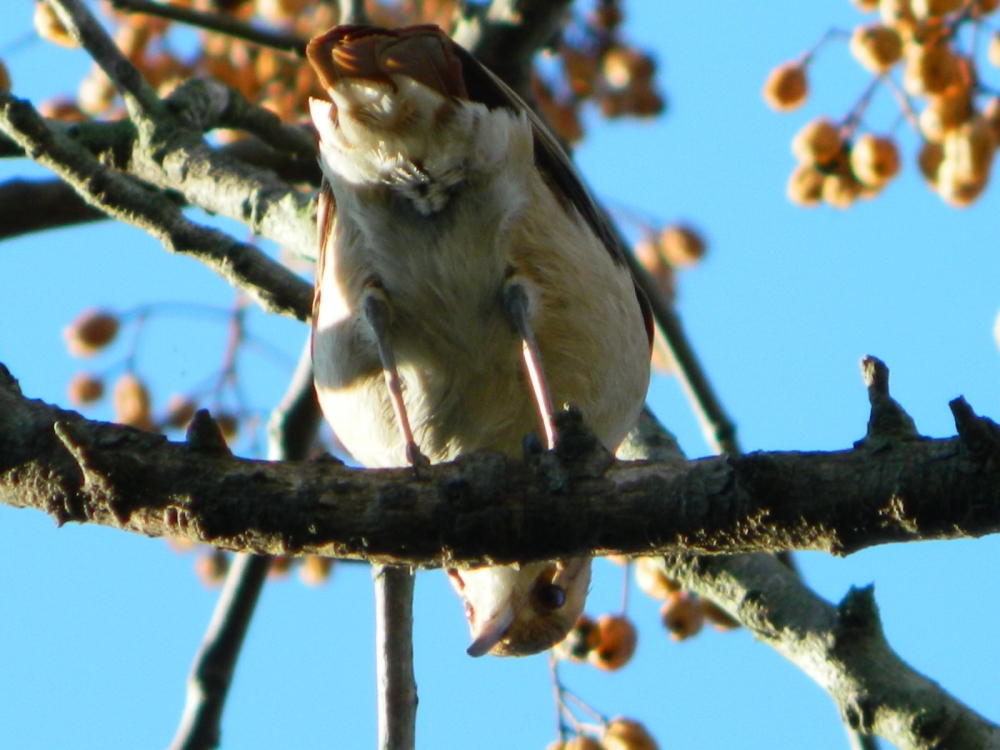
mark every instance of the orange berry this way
{"type": "Point", "coordinates": [647, 251]}
{"type": "Point", "coordinates": [556, 745]}
{"type": "Point", "coordinates": [211, 568]}
{"type": "Point", "coordinates": [944, 113]}
{"type": "Point", "coordinates": [625, 734]}
{"type": "Point", "coordinates": [898, 14]}
{"type": "Point", "coordinates": [279, 11]}
{"type": "Point", "coordinates": [991, 113]}
{"type": "Point", "coordinates": [130, 401]}
{"type": "Point", "coordinates": [929, 8]}
{"type": "Point", "coordinates": [279, 567]}
{"type": "Point", "coordinates": [179, 544]}
{"type": "Point", "coordinates": [986, 6]}
{"type": "Point", "coordinates": [717, 617]}
{"type": "Point", "coordinates": [805, 186]}
{"type": "Point", "coordinates": [682, 615]}
{"type": "Point", "coordinates": [61, 108]}
{"type": "Point", "coordinates": [315, 571]}
{"type": "Point", "coordinates": [786, 87]}
{"type": "Point", "coordinates": [876, 47]}
{"type": "Point", "coordinates": [969, 148]}
{"type": "Point", "coordinates": [90, 332]}
{"type": "Point", "coordinates": [619, 560]}
{"type": "Point", "coordinates": [651, 579]}
{"type": "Point", "coordinates": [681, 245]}
{"type": "Point", "coordinates": [96, 92]}
{"type": "Point", "coordinates": [874, 160]}
{"type": "Point", "coordinates": [621, 66]}
{"type": "Point", "coordinates": [841, 189]}
{"type": "Point", "coordinates": [84, 389]}
{"type": "Point", "coordinates": [930, 69]}
{"type": "Point", "coordinates": [866, 6]}
{"type": "Point", "coordinates": [180, 410]}
{"type": "Point", "coordinates": [50, 28]}
{"type": "Point", "coordinates": [228, 425]}
{"type": "Point", "coordinates": [817, 142]}
{"type": "Point", "coordinates": [580, 641]}
{"type": "Point", "coordinates": [583, 742]}
{"type": "Point", "coordinates": [579, 69]}
{"type": "Point", "coordinates": [929, 160]}
{"type": "Point", "coordinates": [607, 16]}
{"type": "Point", "coordinates": [617, 638]}
{"type": "Point", "coordinates": [4, 77]}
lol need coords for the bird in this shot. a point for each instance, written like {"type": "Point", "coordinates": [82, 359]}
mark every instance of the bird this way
{"type": "Point", "coordinates": [466, 282]}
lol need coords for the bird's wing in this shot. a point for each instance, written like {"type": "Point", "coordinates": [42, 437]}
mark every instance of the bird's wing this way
{"type": "Point", "coordinates": [485, 87]}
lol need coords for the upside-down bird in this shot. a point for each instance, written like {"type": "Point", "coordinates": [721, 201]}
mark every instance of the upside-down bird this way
{"type": "Point", "coordinates": [466, 283]}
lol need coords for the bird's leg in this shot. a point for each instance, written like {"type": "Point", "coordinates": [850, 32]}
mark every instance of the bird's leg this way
{"type": "Point", "coordinates": [378, 314]}
{"type": "Point", "coordinates": [517, 306]}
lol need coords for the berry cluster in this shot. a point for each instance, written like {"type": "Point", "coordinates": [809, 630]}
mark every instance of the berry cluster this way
{"type": "Point", "coordinates": [618, 734]}
{"type": "Point", "coordinates": [956, 117]}
{"type": "Point", "coordinates": [598, 65]}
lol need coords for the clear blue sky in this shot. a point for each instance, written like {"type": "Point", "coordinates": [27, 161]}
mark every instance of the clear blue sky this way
{"type": "Point", "coordinates": [97, 628]}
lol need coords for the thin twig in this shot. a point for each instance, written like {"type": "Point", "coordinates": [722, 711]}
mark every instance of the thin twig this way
{"type": "Point", "coordinates": [396, 687]}
{"type": "Point", "coordinates": [140, 98]}
{"type": "Point", "coordinates": [212, 671]}
{"type": "Point", "coordinates": [288, 43]}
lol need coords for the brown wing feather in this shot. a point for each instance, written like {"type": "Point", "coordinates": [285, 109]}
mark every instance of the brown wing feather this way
{"type": "Point", "coordinates": [485, 87]}
{"type": "Point", "coordinates": [326, 210]}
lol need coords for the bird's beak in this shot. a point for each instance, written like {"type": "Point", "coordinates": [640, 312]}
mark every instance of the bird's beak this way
{"type": "Point", "coordinates": [487, 634]}
{"type": "Point", "coordinates": [492, 598]}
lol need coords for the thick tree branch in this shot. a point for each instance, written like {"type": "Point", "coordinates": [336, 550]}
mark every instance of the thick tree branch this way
{"type": "Point", "coordinates": [486, 508]}
{"type": "Point", "coordinates": [842, 648]}
{"type": "Point", "coordinates": [274, 287]}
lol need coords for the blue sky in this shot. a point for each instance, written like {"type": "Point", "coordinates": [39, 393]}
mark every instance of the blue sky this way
{"type": "Point", "coordinates": [98, 627]}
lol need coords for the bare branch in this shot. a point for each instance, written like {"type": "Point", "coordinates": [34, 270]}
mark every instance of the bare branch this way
{"type": "Point", "coordinates": [485, 508]}
{"type": "Point", "coordinates": [842, 648]}
{"type": "Point", "coordinates": [37, 205]}
{"type": "Point", "coordinates": [212, 671]}
{"type": "Point", "coordinates": [397, 689]}
{"type": "Point", "coordinates": [219, 22]}
{"type": "Point", "coordinates": [274, 287]}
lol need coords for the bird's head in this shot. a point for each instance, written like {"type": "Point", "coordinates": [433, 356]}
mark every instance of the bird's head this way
{"type": "Point", "coordinates": [521, 610]}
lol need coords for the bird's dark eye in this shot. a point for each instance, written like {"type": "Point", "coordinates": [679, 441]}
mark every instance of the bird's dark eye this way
{"type": "Point", "coordinates": [550, 596]}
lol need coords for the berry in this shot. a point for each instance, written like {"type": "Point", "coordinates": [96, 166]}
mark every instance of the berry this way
{"type": "Point", "coordinates": [89, 332]}
{"type": "Point", "coordinates": [625, 734]}
{"type": "Point", "coordinates": [817, 142]}
{"type": "Point", "coordinates": [717, 617]}
{"type": "Point", "coordinates": [876, 47]}
{"type": "Point", "coordinates": [786, 87]}
{"type": "Point", "coordinates": [180, 410]}
{"type": "Point", "coordinates": [50, 28]}
{"type": "Point", "coordinates": [616, 643]}
{"type": "Point", "coordinates": [84, 389]}
{"type": "Point", "coordinates": [580, 641]}
{"type": "Point", "coordinates": [874, 160]}
{"type": "Point", "coordinates": [682, 616]}
{"type": "Point", "coordinates": [211, 568]}
{"type": "Point", "coordinates": [315, 571]}
{"type": "Point", "coordinates": [681, 245]}
{"type": "Point", "coordinates": [130, 401]}
{"type": "Point", "coordinates": [651, 579]}
{"type": "Point", "coordinates": [805, 186]}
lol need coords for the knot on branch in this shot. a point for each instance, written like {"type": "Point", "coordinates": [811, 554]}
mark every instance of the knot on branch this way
{"type": "Point", "coordinates": [578, 454]}
{"type": "Point", "coordinates": [888, 422]}
{"type": "Point", "coordinates": [204, 434]}
{"type": "Point", "coordinates": [979, 435]}
{"type": "Point", "coordinates": [8, 381]}
{"type": "Point", "coordinates": [857, 618]}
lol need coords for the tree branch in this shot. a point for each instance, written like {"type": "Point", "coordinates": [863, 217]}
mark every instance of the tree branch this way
{"type": "Point", "coordinates": [274, 287]}
{"type": "Point", "coordinates": [485, 508]}
{"type": "Point", "coordinates": [842, 648]}
{"type": "Point", "coordinates": [394, 681]}
{"type": "Point", "coordinates": [36, 205]}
